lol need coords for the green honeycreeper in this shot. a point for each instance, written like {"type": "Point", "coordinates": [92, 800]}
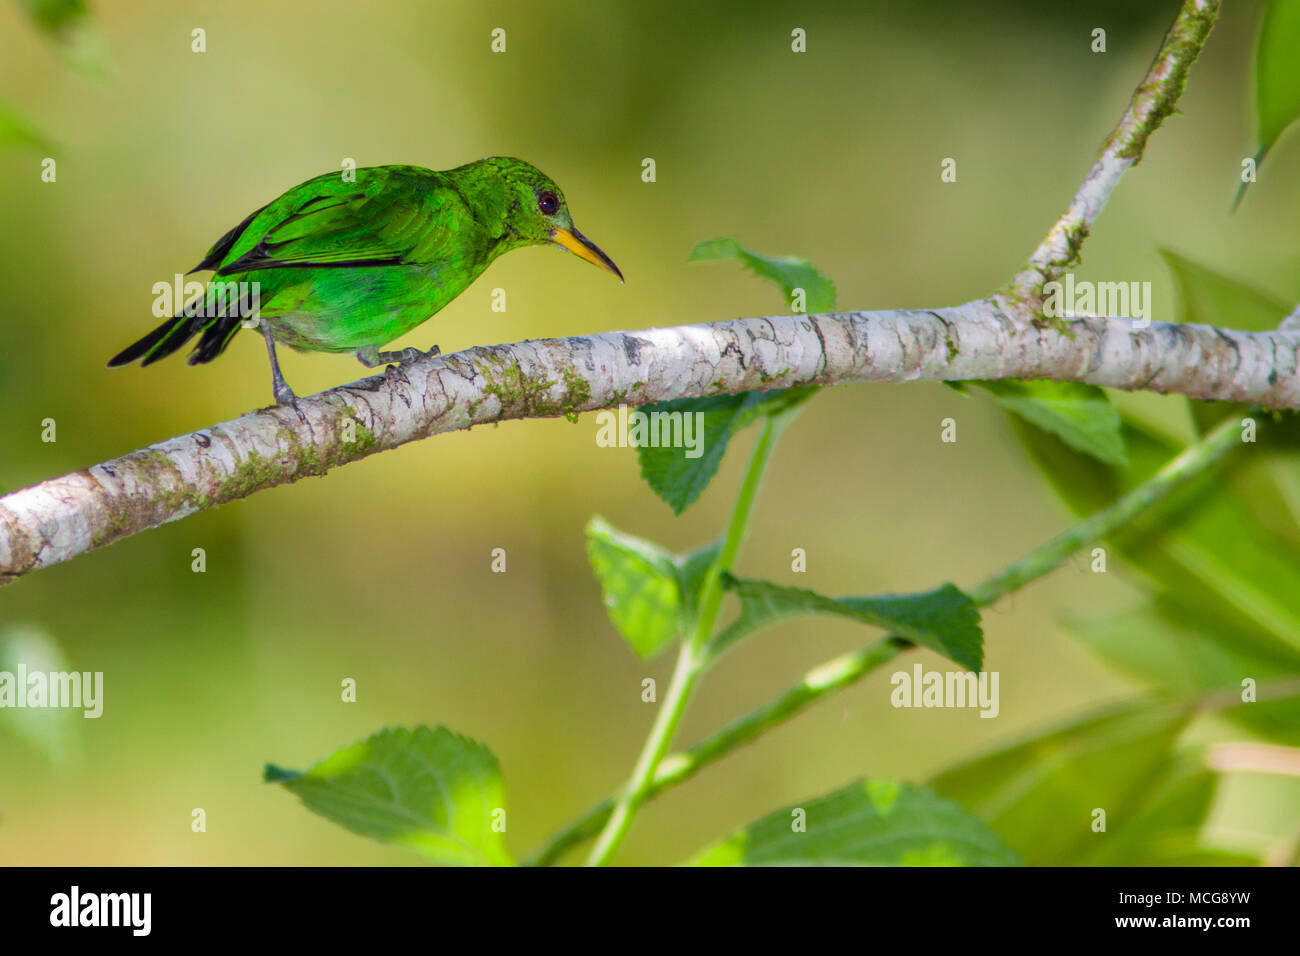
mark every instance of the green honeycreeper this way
{"type": "Point", "coordinates": [348, 266]}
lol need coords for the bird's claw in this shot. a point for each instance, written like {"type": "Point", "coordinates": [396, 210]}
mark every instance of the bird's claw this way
{"type": "Point", "coordinates": [407, 356]}
{"type": "Point", "coordinates": [371, 357]}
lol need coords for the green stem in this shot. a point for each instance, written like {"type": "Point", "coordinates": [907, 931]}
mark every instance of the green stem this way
{"type": "Point", "coordinates": [1190, 463]}
{"type": "Point", "coordinates": [680, 767]}
{"type": "Point", "coordinates": [711, 591]}
{"type": "Point", "coordinates": [692, 657]}
{"type": "Point", "coordinates": [848, 669]}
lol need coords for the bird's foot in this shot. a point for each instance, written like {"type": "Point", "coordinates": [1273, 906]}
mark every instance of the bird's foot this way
{"type": "Point", "coordinates": [407, 356]}
{"type": "Point", "coordinates": [279, 387]}
{"type": "Point", "coordinates": [284, 395]}
{"type": "Point", "coordinates": [371, 357]}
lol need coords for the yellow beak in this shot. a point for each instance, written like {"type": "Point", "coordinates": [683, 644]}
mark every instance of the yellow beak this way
{"type": "Point", "coordinates": [584, 248]}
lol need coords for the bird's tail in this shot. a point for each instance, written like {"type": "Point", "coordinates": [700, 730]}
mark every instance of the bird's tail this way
{"type": "Point", "coordinates": [218, 330]}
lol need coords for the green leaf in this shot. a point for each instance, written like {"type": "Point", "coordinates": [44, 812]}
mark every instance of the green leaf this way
{"type": "Point", "coordinates": [54, 732]}
{"type": "Point", "coordinates": [1273, 716]}
{"type": "Point", "coordinates": [945, 620]}
{"type": "Point", "coordinates": [429, 790]}
{"type": "Point", "coordinates": [679, 480]}
{"type": "Point", "coordinates": [1219, 559]}
{"type": "Point", "coordinates": [15, 131]}
{"type": "Point", "coordinates": [788, 272]}
{"type": "Point", "coordinates": [1277, 72]}
{"type": "Point", "coordinates": [640, 584]}
{"type": "Point", "coordinates": [57, 17]}
{"type": "Point", "coordinates": [68, 24]}
{"type": "Point", "coordinates": [868, 823]}
{"type": "Point", "coordinates": [1166, 826]}
{"type": "Point", "coordinates": [651, 595]}
{"type": "Point", "coordinates": [692, 569]}
{"type": "Point", "coordinates": [1207, 297]}
{"type": "Point", "coordinates": [1179, 650]}
{"type": "Point", "coordinates": [1040, 795]}
{"type": "Point", "coordinates": [1080, 415]}
{"type": "Point", "coordinates": [1172, 648]}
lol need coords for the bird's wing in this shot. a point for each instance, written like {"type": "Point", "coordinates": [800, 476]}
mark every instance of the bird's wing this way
{"type": "Point", "coordinates": [386, 218]}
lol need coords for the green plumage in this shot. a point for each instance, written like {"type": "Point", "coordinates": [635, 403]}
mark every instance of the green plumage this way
{"type": "Point", "coordinates": [348, 266]}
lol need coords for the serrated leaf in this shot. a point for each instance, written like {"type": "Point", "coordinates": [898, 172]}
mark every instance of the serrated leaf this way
{"type": "Point", "coordinates": [429, 790]}
{"type": "Point", "coordinates": [945, 620]}
{"type": "Point", "coordinates": [1040, 795]}
{"type": "Point", "coordinates": [1080, 415]}
{"type": "Point", "coordinates": [53, 732]}
{"type": "Point", "coordinates": [679, 480]}
{"type": "Point", "coordinates": [789, 272]}
{"type": "Point", "coordinates": [651, 595]}
{"type": "Point", "coordinates": [868, 823]}
{"type": "Point", "coordinates": [640, 584]}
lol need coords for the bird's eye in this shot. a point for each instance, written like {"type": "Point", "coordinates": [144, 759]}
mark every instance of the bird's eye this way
{"type": "Point", "coordinates": [548, 203]}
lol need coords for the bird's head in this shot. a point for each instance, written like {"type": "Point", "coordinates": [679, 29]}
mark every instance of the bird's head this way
{"type": "Point", "coordinates": [535, 212]}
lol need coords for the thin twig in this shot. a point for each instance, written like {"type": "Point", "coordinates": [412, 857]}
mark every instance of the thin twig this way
{"type": "Point", "coordinates": [1152, 101]}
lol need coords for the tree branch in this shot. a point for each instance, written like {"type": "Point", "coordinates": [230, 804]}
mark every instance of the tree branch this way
{"type": "Point", "coordinates": [994, 338]}
{"type": "Point", "coordinates": [63, 517]}
{"type": "Point", "coordinates": [1152, 101]}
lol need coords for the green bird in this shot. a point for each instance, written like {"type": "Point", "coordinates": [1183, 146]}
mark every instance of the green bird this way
{"type": "Point", "coordinates": [342, 265]}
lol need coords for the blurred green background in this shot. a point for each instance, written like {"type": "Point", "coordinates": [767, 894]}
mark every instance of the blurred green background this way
{"type": "Point", "coordinates": [381, 571]}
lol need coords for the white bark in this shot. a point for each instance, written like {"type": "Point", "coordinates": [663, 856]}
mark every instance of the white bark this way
{"type": "Point", "coordinates": [1151, 102]}
{"type": "Point", "coordinates": [63, 517]}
